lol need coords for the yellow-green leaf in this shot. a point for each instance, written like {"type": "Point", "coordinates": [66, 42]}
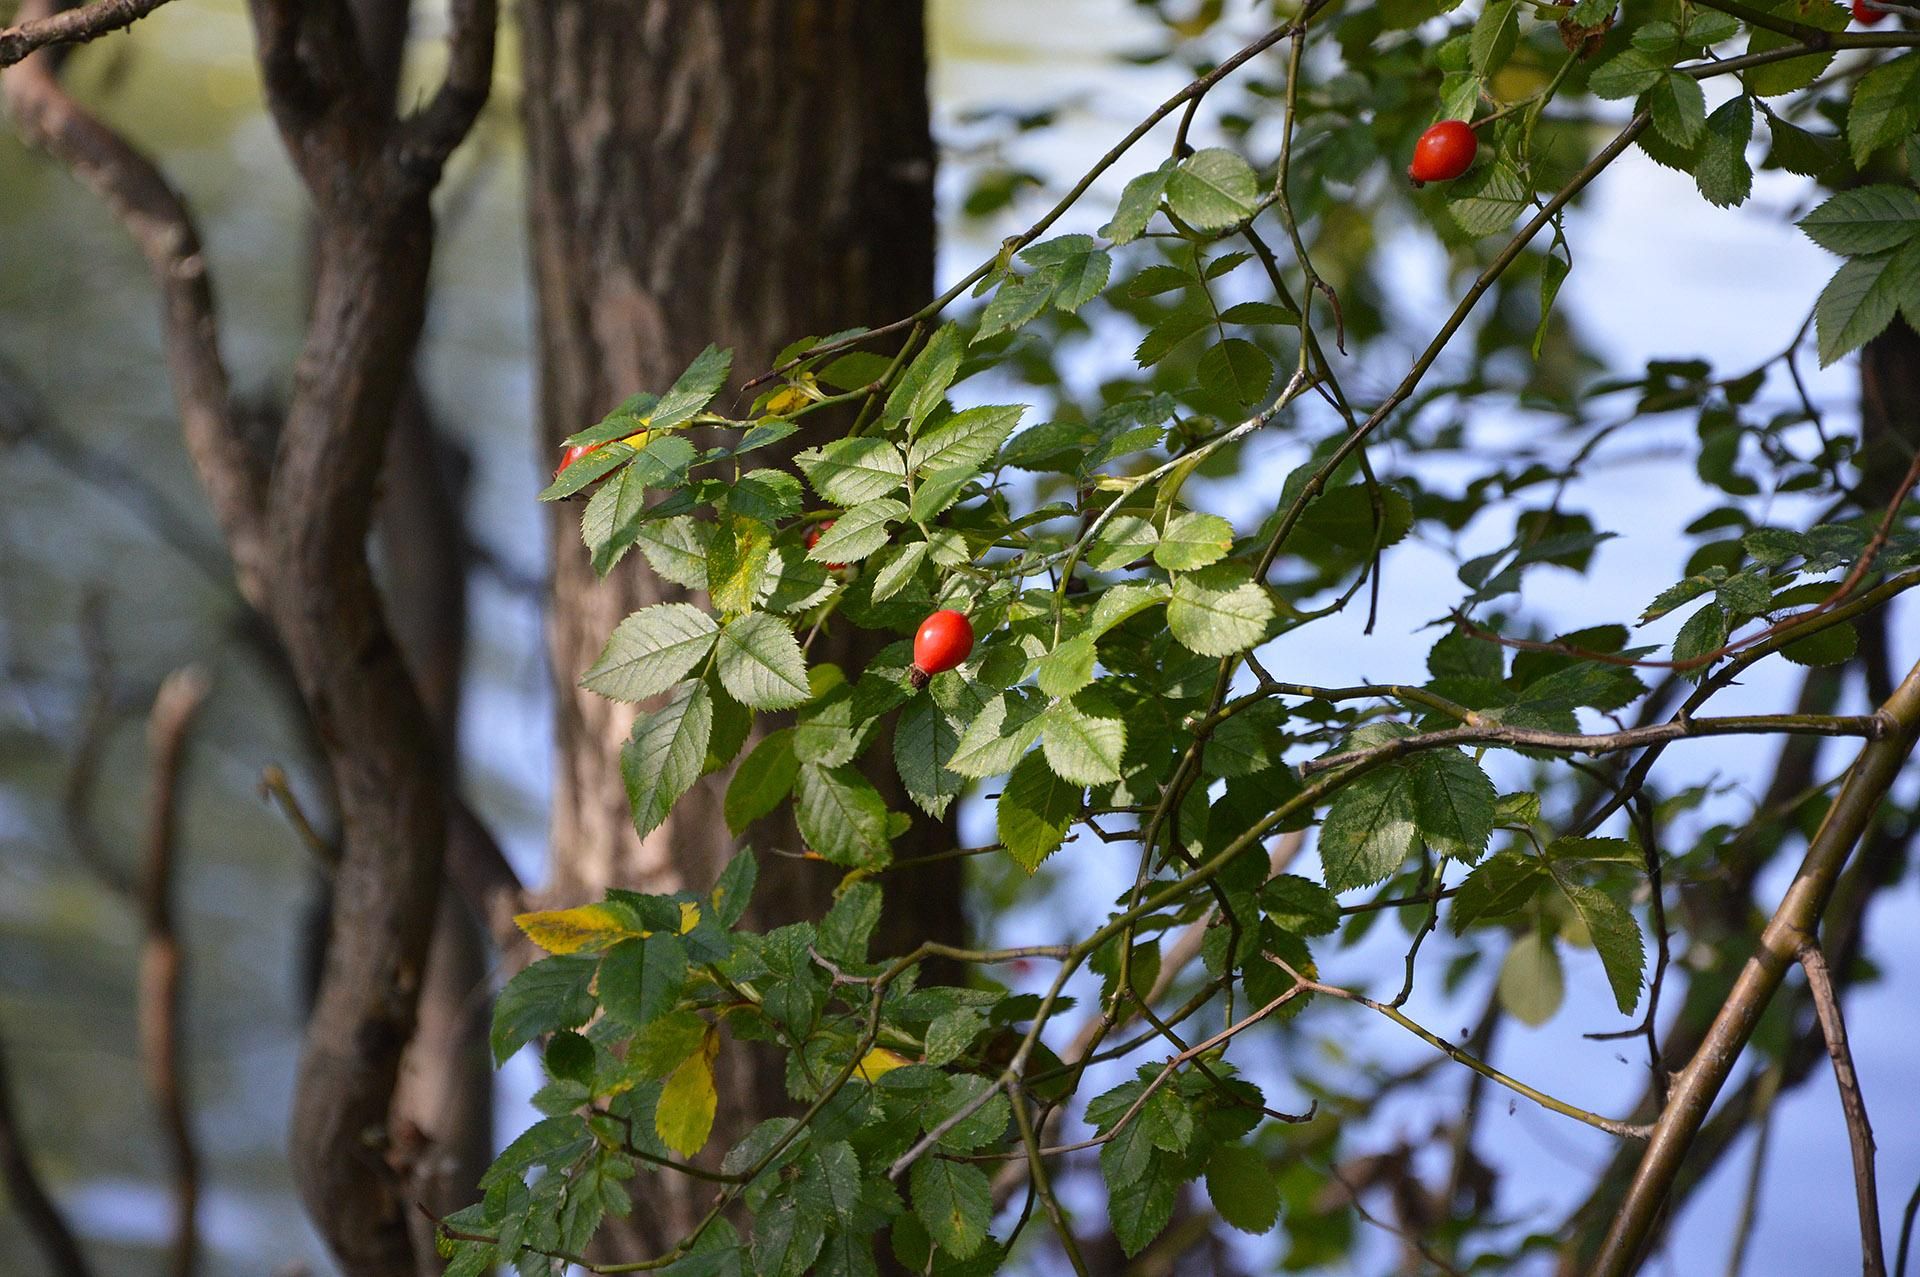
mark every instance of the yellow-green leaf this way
{"type": "Point", "coordinates": [574, 930]}
{"type": "Point", "coordinates": [684, 1117]}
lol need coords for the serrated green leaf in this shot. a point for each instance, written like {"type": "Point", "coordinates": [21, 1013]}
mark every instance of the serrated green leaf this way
{"type": "Point", "coordinates": [924, 742]}
{"type": "Point", "coordinates": [1886, 107]}
{"type": "Point", "coordinates": [1018, 301]}
{"type": "Point", "coordinates": [737, 555]}
{"type": "Point", "coordinates": [896, 573]}
{"type": "Point", "coordinates": [693, 390]}
{"type": "Point", "coordinates": [1126, 537]}
{"type": "Point", "coordinates": [1138, 201]}
{"type": "Point", "coordinates": [999, 734]}
{"type": "Point", "coordinates": [1081, 747]}
{"type": "Point", "coordinates": [1078, 266]}
{"type": "Point", "coordinates": [1722, 172]}
{"type": "Point", "coordinates": [1236, 369]}
{"type": "Point", "coordinates": [850, 471]}
{"type": "Point", "coordinates": [1861, 300]}
{"type": "Point", "coordinates": [1494, 35]}
{"type": "Point", "coordinates": [841, 815]}
{"type": "Point", "coordinates": [858, 533]}
{"type": "Point", "coordinates": [1830, 646]}
{"type": "Point", "coordinates": [1212, 189]}
{"type": "Point", "coordinates": [1627, 74]}
{"type": "Point", "coordinates": [1705, 631]}
{"type": "Point", "coordinates": [1171, 330]}
{"type": "Point", "coordinates": [1241, 1186]}
{"type": "Point", "coordinates": [1218, 611]}
{"type": "Point", "coordinates": [548, 995]}
{"type": "Point", "coordinates": [1616, 937]}
{"type": "Point", "coordinates": [1499, 888]}
{"type": "Point", "coordinates": [761, 665]}
{"type": "Point", "coordinates": [923, 385]}
{"type": "Point", "coordinates": [1370, 829]}
{"type": "Point", "coordinates": [1193, 540]}
{"type": "Point", "coordinates": [965, 441]}
{"type": "Point", "coordinates": [665, 754]}
{"type": "Point", "coordinates": [1679, 108]}
{"type": "Point", "coordinates": [954, 1201]}
{"type": "Point", "coordinates": [1453, 803]}
{"type": "Point", "coordinates": [1791, 74]}
{"type": "Point", "coordinates": [650, 651]}
{"type": "Point", "coordinates": [1864, 220]}
{"type": "Point", "coordinates": [1487, 200]}
{"type": "Point", "coordinates": [1036, 810]}
{"type": "Point", "coordinates": [950, 1034]}
{"type": "Point", "coordinates": [641, 979]}
{"type": "Point", "coordinates": [676, 549]}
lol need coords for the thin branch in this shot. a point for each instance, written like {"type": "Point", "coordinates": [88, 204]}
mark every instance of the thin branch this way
{"type": "Point", "coordinates": [1797, 917]}
{"type": "Point", "coordinates": [45, 1224]}
{"type": "Point", "coordinates": [427, 138]}
{"type": "Point", "coordinates": [1872, 727]}
{"type": "Point", "coordinates": [179, 700]}
{"type": "Point", "coordinates": [157, 220]}
{"type": "Point", "coordinates": [1833, 1026]}
{"type": "Point", "coordinates": [71, 26]}
{"type": "Point", "coordinates": [1750, 1200]}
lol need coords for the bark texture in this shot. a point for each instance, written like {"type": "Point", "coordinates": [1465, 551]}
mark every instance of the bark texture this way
{"type": "Point", "coordinates": [739, 172]}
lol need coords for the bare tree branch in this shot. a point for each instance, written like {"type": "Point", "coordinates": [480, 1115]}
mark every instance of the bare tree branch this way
{"type": "Point", "coordinates": [73, 26]}
{"type": "Point", "coordinates": [45, 1223]}
{"type": "Point", "coordinates": [1833, 1026]}
{"type": "Point", "coordinates": [1797, 916]}
{"type": "Point", "coordinates": [174, 709]}
{"type": "Point", "coordinates": [428, 137]}
{"type": "Point", "coordinates": [160, 225]}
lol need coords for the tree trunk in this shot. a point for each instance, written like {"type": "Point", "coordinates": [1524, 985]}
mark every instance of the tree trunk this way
{"type": "Point", "coordinates": [740, 172]}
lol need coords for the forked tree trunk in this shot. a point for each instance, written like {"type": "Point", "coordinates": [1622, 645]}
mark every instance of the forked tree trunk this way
{"type": "Point", "coordinates": [743, 172]}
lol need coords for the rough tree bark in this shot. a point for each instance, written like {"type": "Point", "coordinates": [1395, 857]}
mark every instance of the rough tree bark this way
{"type": "Point", "coordinates": [742, 172]}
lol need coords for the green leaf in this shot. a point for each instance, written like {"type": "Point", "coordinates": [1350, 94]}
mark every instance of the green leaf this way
{"type": "Point", "coordinates": [1193, 540]}
{"type": "Point", "coordinates": [850, 471]}
{"type": "Point", "coordinates": [640, 980]}
{"type": "Point", "coordinates": [1497, 889]}
{"type": "Point", "coordinates": [1488, 199]}
{"type": "Point", "coordinates": [1237, 370]}
{"type": "Point", "coordinates": [1082, 747]}
{"type": "Point", "coordinates": [1218, 611]}
{"type": "Point", "coordinates": [1123, 601]}
{"type": "Point", "coordinates": [1138, 201]}
{"type": "Point", "coordinates": [1616, 936]}
{"type": "Point", "coordinates": [1453, 803]}
{"type": "Point", "coordinates": [761, 665]}
{"type": "Point", "coordinates": [1829, 646]}
{"type": "Point", "coordinates": [858, 533]}
{"type": "Point", "coordinates": [1861, 298]}
{"type": "Point", "coordinates": [1126, 537]}
{"type": "Point", "coordinates": [954, 1201]}
{"type": "Point", "coordinates": [1864, 220]}
{"type": "Point", "coordinates": [1170, 330]}
{"type": "Point", "coordinates": [938, 490]}
{"type": "Point", "coordinates": [693, 390]}
{"type": "Point", "coordinates": [737, 558]}
{"type": "Point", "coordinates": [1531, 985]}
{"type": "Point", "coordinates": [1016, 303]}
{"type": "Point", "coordinates": [766, 495]}
{"type": "Point", "coordinates": [1036, 810]}
{"type": "Point", "coordinates": [1790, 75]}
{"type": "Point", "coordinates": [1369, 830]}
{"type": "Point", "coordinates": [847, 928]}
{"type": "Point", "coordinates": [1553, 273]}
{"type": "Point", "coordinates": [1242, 1188]}
{"type": "Point", "coordinates": [1886, 107]}
{"type": "Point", "coordinates": [1078, 266]}
{"type": "Point", "coordinates": [1253, 314]}
{"type": "Point", "coordinates": [1494, 34]}
{"type": "Point", "coordinates": [1722, 173]}
{"type": "Point", "coordinates": [1212, 189]}
{"type": "Point", "coordinates": [1627, 74]}
{"type": "Point", "coordinates": [548, 995]}
{"type": "Point", "coordinates": [924, 742]}
{"type": "Point", "coordinates": [842, 816]}
{"type": "Point", "coordinates": [764, 778]}
{"type": "Point", "coordinates": [677, 550]}
{"type": "Point", "coordinates": [650, 651]}
{"type": "Point", "coordinates": [1067, 668]}
{"type": "Point", "coordinates": [665, 754]}
{"type": "Point", "coordinates": [1679, 108]}
{"type": "Point", "coordinates": [999, 734]}
{"type": "Point", "coordinates": [1705, 631]}
{"type": "Point", "coordinates": [923, 385]}
{"type": "Point", "coordinates": [965, 441]}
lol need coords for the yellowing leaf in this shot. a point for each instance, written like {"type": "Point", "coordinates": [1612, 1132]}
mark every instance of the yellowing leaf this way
{"type": "Point", "coordinates": [879, 1061]}
{"type": "Point", "coordinates": [573, 930]}
{"type": "Point", "coordinates": [689, 916]}
{"type": "Point", "coordinates": [684, 1117]}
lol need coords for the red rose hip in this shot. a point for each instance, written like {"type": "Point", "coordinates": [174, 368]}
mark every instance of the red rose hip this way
{"type": "Point", "coordinates": [1443, 152]}
{"type": "Point", "coordinates": [813, 538]}
{"type": "Point", "coordinates": [943, 641]}
{"type": "Point", "coordinates": [1866, 15]}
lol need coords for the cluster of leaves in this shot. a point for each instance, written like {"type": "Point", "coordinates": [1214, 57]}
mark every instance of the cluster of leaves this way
{"type": "Point", "coordinates": [1117, 677]}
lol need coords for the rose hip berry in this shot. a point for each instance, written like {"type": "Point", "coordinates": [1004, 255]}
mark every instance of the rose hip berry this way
{"type": "Point", "coordinates": [1866, 15]}
{"type": "Point", "coordinates": [572, 455]}
{"type": "Point", "coordinates": [1443, 152]}
{"type": "Point", "coordinates": [813, 538]}
{"type": "Point", "coordinates": [943, 641]}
